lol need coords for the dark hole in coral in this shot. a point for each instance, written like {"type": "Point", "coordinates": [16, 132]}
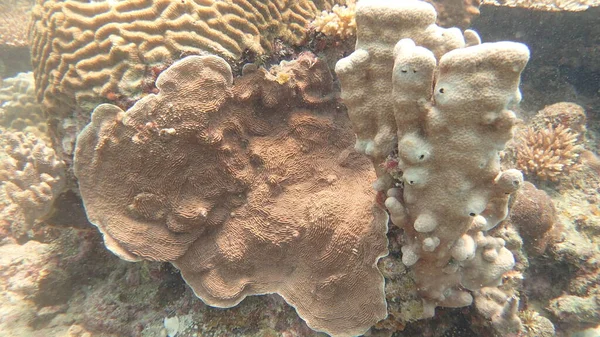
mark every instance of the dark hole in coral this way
{"type": "Point", "coordinates": [441, 90]}
{"type": "Point", "coordinates": [472, 214]}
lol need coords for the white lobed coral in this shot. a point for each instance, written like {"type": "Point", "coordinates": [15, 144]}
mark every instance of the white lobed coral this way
{"type": "Point", "coordinates": [439, 102]}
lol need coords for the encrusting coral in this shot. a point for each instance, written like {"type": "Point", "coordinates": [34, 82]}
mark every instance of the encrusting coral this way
{"type": "Point", "coordinates": [438, 103]}
{"type": "Point", "coordinates": [248, 187]}
{"type": "Point", "coordinates": [87, 52]}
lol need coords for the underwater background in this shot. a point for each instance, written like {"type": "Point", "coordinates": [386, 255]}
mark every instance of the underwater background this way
{"type": "Point", "coordinates": [162, 162]}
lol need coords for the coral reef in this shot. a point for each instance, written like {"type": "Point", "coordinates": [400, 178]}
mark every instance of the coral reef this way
{"type": "Point", "coordinates": [242, 193]}
{"type": "Point", "coordinates": [32, 177]}
{"type": "Point", "coordinates": [549, 147]}
{"type": "Point", "coordinates": [86, 53]}
{"type": "Point", "coordinates": [444, 124]}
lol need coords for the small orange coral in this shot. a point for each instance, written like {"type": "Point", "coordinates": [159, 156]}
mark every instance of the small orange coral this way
{"type": "Point", "coordinates": [548, 153]}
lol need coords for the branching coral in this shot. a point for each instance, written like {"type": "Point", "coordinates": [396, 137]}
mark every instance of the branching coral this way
{"type": "Point", "coordinates": [340, 22]}
{"type": "Point", "coordinates": [548, 154]}
{"type": "Point", "coordinates": [439, 103]}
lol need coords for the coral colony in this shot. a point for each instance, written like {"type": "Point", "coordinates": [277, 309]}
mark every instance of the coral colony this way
{"type": "Point", "coordinates": [242, 148]}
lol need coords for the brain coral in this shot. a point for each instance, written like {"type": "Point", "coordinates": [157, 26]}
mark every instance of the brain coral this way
{"type": "Point", "coordinates": [248, 187]}
{"type": "Point", "coordinates": [86, 51]}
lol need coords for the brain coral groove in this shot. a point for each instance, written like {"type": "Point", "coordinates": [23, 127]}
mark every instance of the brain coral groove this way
{"type": "Point", "coordinates": [248, 186]}
{"type": "Point", "coordinates": [85, 52]}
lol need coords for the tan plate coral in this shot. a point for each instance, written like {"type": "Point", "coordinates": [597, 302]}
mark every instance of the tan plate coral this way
{"type": "Point", "coordinates": [247, 186]}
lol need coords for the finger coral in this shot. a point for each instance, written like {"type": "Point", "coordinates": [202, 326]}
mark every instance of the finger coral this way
{"type": "Point", "coordinates": [548, 154]}
{"type": "Point", "coordinates": [247, 186]}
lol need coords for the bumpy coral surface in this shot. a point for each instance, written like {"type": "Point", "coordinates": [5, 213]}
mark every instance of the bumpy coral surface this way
{"type": "Point", "coordinates": [533, 213]}
{"type": "Point", "coordinates": [19, 109]}
{"type": "Point", "coordinates": [547, 5]}
{"type": "Point", "coordinates": [437, 102]}
{"type": "Point", "coordinates": [84, 52]}
{"type": "Point", "coordinates": [340, 22]}
{"type": "Point", "coordinates": [243, 193]}
{"type": "Point", "coordinates": [32, 177]}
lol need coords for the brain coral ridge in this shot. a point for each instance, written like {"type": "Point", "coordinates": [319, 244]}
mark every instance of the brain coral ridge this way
{"type": "Point", "coordinates": [438, 103]}
{"type": "Point", "coordinates": [248, 186]}
{"type": "Point", "coordinates": [85, 51]}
